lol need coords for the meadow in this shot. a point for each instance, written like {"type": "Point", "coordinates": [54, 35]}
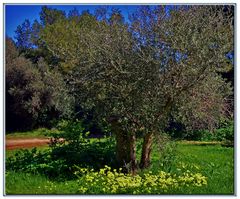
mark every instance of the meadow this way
{"type": "Point", "coordinates": [174, 170]}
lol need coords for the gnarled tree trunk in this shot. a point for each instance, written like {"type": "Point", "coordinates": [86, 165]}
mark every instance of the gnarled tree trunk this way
{"type": "Point", "coordinates": [132, 141]}
{"type": "Point", "coordinates": [146, 151]}
{"type": "Point", "coordinates": [122, 148]}
{"type": "Point", "coordinates": [125, 148]}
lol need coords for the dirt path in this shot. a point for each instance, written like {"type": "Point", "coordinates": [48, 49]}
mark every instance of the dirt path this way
{"type": "Point", "coordinates": [25, 143]}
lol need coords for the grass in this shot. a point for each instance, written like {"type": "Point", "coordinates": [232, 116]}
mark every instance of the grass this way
{"type": "Point", "coordinates": [216, 163]}
{"type": "Point", "coordinates": [213, 161]}
{"type": "Point", "coordinates": [25, 183]}
{"type": "Point", "coordinates": [37, 133]}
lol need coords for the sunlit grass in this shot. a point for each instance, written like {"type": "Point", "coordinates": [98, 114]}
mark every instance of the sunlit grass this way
{"type": "Point", "coordinates": [214, 161]}
{"type": "Point", "coordinates": [24, 183]}
{"type": "Point", "coordinates": [36, 133]}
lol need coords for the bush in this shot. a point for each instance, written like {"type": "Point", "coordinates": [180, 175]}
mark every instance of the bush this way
{"type": "Point", "coordinates": [69, 147]}
{"type": "Point", "coordinates": [36, 162]}
{"type": "Point", "coordinates": [168, 156]}
{"type": "Point", "coordinates": [35, 94]}
{"type": "Point", "coordinates": [225, 132]}
{"type": "Point", "coordinates": [73, 145]}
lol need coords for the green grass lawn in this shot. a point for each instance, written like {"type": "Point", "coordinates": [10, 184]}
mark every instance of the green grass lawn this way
{"type": "Point", "coordinates": [213, 161]}
{"type": "Point", "coordinates": [25, 183]}
{"type": "Point", "coordinates": [37, 133]}
{"type": "Point", "coordinates": [216, 163]}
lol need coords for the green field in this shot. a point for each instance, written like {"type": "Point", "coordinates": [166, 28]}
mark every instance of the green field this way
{"type": "Point", "coordinates": [213, 161]}
{"type": "Point", "coordinates": [37, 133]}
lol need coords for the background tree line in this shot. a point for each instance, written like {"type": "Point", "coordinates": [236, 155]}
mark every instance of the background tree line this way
{"type": "Point", "coordinates": [162, 67]}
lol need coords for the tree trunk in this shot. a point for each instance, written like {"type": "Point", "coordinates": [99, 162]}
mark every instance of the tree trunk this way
{"type": "Point", "coordinates": [122, 148]}
{"type": "Point", "coordinates": [125, 148]}
{"type": "Point", "coordinates": [132, 141]}
{"type": "Point", "coordinates": [146, 151]}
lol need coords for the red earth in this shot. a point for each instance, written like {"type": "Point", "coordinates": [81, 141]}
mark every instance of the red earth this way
{"type": "Point", "coordinates": [25, 143]}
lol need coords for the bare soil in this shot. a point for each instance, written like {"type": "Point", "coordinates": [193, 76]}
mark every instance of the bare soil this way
{"type": "Point", "coordinates": [26, 143]}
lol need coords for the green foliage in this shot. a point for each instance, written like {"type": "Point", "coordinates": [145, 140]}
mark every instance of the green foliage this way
{"type": "Point", "coordinates": [55, 97]}
{"type": "Point", "coordinates": [34, 93]}
{"type": "Point", "coordinates": [72, 145]}
{"type": "Point", "coordinates": [36, 162]}
{"type": "Point", "coordinates": [23, 36]}
{"type": "Point", "coordinates": [71, 132]}
{"type": "Point", "coordinates": [214, 162]}
{"type": "Point", "coordinates": [23, 86]}
{"type": "Point", "coordinates": [50, 15]}
{"type": "Point", "coordinates": [139, 74]}
{"type": "Point", "coordinates": [225, 132]}
{"type": "Point", "coordinates": [168, 156]}
{"type": "Point", "coordinates": [69, 146]}
{"type": "Point", "coordinates": [135, 74]}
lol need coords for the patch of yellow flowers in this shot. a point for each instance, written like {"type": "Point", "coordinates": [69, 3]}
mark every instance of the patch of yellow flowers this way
{"type": "Point", "coordinates": [108, 181]}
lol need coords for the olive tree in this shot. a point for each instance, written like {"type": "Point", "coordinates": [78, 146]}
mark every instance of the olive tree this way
{"type": "Point", "coordinates": [164, 62]}
{"type": "Point", "coordinates": [185, 47]}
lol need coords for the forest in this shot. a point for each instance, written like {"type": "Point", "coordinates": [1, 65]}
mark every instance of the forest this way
{"type": "Point", "coordinates": [138, 104]}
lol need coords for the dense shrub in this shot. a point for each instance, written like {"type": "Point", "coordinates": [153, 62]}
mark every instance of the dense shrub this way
{"type": "Point", "coordinates": [69, 146]}
{"type": "Point", "coordinates": [35, 94]}
{"type": "Point", "coordinates": [59, 162]}
{"type": "Point", "coordinates": [36, 162]}
{"type": "Point", "coordinates": [225, 132]}
{"type": "Point", "coordinates": [73, 145]}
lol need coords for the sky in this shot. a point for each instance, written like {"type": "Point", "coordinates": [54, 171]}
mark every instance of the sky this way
{"type": "Point", "coordinates": [16, 14]}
